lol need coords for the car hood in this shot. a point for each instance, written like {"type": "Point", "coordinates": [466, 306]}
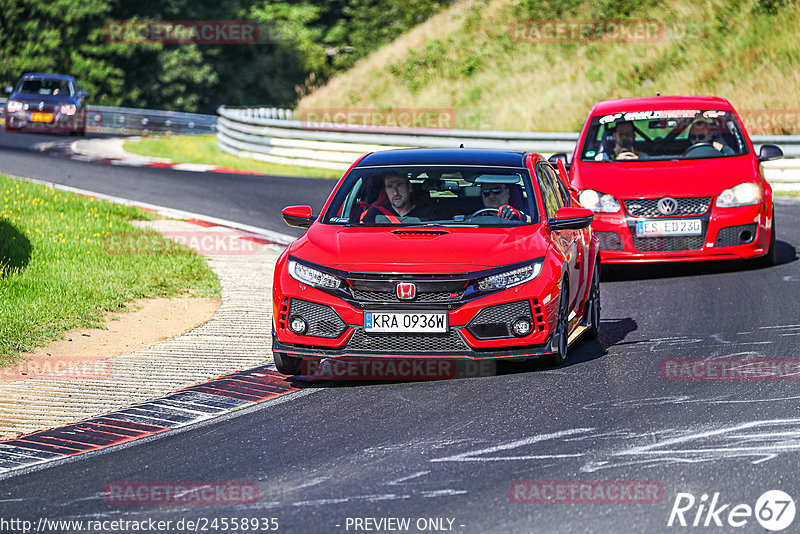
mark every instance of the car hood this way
{"type": "Point", "coordinates": [434, 250]}
{"type": "Point", "coordinates": [47, 99]}
{"type": "Point", "coordinates": [646, 179]}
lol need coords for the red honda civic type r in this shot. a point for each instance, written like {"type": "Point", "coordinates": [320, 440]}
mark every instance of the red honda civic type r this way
{"type": "Point", "coordinates": [438, 253]}
{"type": "Point", "coordinates": [674, 179]}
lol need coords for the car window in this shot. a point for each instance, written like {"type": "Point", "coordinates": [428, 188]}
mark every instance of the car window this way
{"type": "Point", "coordinates": [560, 189]}
{"type": "Point", "coordinates": [663, 135]}
{"type": "Point", "coordinates": [432, 196]}
{"type": "Point", "coordinates": [551, 199]}
{"type": "Point", "coordinates": [46, 87]}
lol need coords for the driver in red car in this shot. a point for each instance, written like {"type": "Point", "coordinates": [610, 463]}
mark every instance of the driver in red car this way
{"type": "Point", "coordinates": [499, 196]}
{"type": "Point", "coordinates": [702, 131]}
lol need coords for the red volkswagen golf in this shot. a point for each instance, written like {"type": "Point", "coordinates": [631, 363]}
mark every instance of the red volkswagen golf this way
{"type": "Point", "coordinates": [442, 253]}
{"type": "Point", "coordinates": [674, 179]}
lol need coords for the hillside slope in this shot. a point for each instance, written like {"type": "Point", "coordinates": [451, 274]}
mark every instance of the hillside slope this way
{"type": "Point", "coordinates": [480, 59]}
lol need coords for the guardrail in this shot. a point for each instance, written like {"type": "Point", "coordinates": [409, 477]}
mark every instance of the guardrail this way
{"type": "Point", "coordinates": [269, 134]}
{"type": "Point", "coordinates": [107, 119]}
{"type": "Point", "coordinates": [134, 121]}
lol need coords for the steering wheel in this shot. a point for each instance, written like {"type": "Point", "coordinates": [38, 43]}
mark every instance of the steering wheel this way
{"type": "Point", "coordinates": [490, 210]}
{"type": "Point", "coordinates": [696, 146]}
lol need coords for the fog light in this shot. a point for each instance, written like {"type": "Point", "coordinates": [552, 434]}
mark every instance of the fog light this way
{"type": "Point", "coordinates": [521, 327]}
{"type": "Point", "coordinates": [298, 324]}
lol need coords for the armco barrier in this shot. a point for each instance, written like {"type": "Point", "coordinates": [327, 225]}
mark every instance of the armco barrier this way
{"type": "Point", "coordinates": [127, 121]}
{"type": "Point", "coordinates": [134, 121]}
{"type": "Point", "coordinates": [268, 134]}
{"type": "Point", "coordinates": [336, 146]}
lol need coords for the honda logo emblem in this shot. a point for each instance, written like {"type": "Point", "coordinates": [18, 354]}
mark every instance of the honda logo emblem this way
{"type": "Point", "coordinates": [406, 290]}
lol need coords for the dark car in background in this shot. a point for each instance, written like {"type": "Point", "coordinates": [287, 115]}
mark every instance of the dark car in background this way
{"type": "Point", "coordinates": [45, 103]}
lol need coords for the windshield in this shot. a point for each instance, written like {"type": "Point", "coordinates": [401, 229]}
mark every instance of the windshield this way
{"type": "Point", "coordinates": [432, 196]}
{"type": "Point", "coordinates": [46, 87]}
{"type": "Point", "coordinates": [663, 135]}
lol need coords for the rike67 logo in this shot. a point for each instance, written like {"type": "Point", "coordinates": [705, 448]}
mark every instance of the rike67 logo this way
{"type": "Point", "coordinates": [774, 510]}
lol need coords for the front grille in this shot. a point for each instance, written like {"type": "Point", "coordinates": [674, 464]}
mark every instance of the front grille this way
{"type": "Point", "coordinates": [397, 343]}
{"type": "Point", "coordinates": [391, 296]}
{"type": "Point", "coordinates": [668, 243]}
{"type": "Point", "coordinates": [609, 240]}
{"type": "Point", "coordinates": [494, 321]}
{"type": "Point", "coordinates": [732, 235]}
{"type": "Point", "coordinates": [648, 207]}
{"type": "Point", "coordinates": [322, 320]}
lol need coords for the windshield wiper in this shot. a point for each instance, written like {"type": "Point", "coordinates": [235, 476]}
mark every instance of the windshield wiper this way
{"type": "Point", "coordinates": [451, 225]}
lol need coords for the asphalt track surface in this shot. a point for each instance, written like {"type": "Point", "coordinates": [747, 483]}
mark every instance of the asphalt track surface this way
{"type": "Point", "coordinates": [452, 449]}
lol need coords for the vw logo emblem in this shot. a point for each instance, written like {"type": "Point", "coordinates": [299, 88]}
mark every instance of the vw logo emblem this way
{"type": "Point", "coordinates": [41, 106]}
{"type": "Point", "coordinates": [667, 206]}
{"type": "Point", "coordinates": [406, 290]}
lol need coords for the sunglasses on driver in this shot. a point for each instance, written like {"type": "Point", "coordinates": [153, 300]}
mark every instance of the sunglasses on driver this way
{"type": "Point", "coordinates": [493, 191]}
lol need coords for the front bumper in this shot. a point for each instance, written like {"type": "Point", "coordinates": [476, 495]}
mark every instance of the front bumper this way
{"type": "Point", "coordinates": [22, 120]}
{"type": "Point", "coordinates": [478, 328]}
{"type": "Point", "coordinates": [728, 234]}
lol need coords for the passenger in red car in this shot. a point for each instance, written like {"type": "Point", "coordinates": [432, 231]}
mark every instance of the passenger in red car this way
{"type": "Point", "coordinates": [401, 203]}
{"type": "Point", "coordinates": [623, 142]}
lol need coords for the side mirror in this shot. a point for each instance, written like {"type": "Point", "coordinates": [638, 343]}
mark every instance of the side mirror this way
{"type": "Point", "coordinates": [560, 157]}
{"type": "Point", "coordinates": [82, 94]}
{"type": "Point", "coordinates": [299, 216]}
{"type": "Point", "coordinates": [9, 89]}
{"type": "Point", "coordinates": [571, 219]}
{"type": "Point", "coordinates": [770, 153]}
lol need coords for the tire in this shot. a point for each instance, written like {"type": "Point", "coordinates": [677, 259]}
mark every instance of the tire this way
{"type": "Point", "coordinates": [771, 258]}
{"type": "Point", "coordinates": [288, 365]}
{"type": "Point", "coordinates": [562, 328]}
{"type": "Point", "coordinates": [593, 304]}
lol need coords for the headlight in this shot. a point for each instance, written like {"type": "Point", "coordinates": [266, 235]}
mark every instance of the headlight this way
{"type": "Point", "coordinates": [312, 277]}
{"type": "Point", "coordinates": [510, 278]}
{"type": "Point", "coordinates": [745, 194]}
{"type": "Point", "coordinates": [598, 202]}
{"type": "Point", "coordinates": [13, 106]}
{"type": "Point", "coordinates": [69, 109]}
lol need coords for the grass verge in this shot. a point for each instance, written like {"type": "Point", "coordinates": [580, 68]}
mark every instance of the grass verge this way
{"type": "Point", "coordinates": [56, 274]}
{"type": "Point", "coordinates": [204, 149]}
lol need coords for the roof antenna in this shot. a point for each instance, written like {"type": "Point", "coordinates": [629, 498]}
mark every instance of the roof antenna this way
{"type": "Point", "coordinates": [658, 93]}
{"type": "Point", "coordinates": [462, 145]}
